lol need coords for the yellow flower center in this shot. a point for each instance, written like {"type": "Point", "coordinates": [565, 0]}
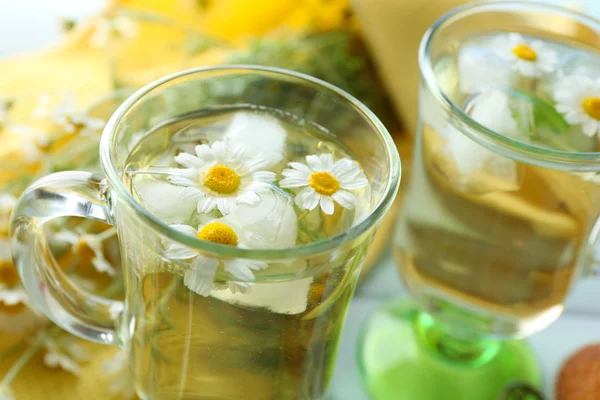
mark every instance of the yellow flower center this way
{"type": "Point", "coordinates": [591, 106]}
{"type": "Point", "coordinates": [524, 52]}
{"type": "Point", "coordinates": [218, 232]}
{"type": "Point", "coordinates": [84, 251]}
{"type": "Point", "coordinates": [222, 179]}
{"type": "Point", "coordinates": [8, 273]}
{"type": "Point", "coordinates": [323, 183]}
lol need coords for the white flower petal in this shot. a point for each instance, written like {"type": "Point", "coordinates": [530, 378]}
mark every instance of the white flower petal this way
{"type": "Point", "coordinates": [326, 161]}
{"type": "Point", "coordinates": [293, 173]}
{"type": "Point", "coordinates": [189, 161]}
{"type": "Point", "coordinates": [207, 204]}
{"type": "Point", "coordinates": [199, 278]}
{"type": "Point", "coordinates": [307, 199]}
{"type": "Point", "coordinates": [204, 152]}
{"type": "Point", "coordinates": [54, 359]}
{"type": "Point", "coordinates": [258, 187]}
{"type": "Point", "coordinates": [301, 168]}
{"type": "Point", "coordinates": [345, 199]}
{"type": "Point", "coordinates": [264, 176]}
{"type": "Point", "coordinates": [181, 181]}
{"type": "Point", "coordinates": [67, 236]}
{"type": "Point", "coordinates": [293, 182]}
{"type": "Point", "coordinates": [239, 270]}
{"type": "Point", "coordinates": [179, 252]}
{"type": "Point", "coordinates": [342, 166]}
{"type": "Point", "coordinates": [250, 198]}
{"type": "Point", "coordinates": [12, 297]}
{"type": "Point", "coordinates": [314, 162]}
{"type": "Point", "coordinates": [226, 205]}
{"type": "Point", "coordinates": [102, 265]}
{"type": "Point", "coordinates": [327, 205]}
{"type": "Point", "coordinates": [357, 183]}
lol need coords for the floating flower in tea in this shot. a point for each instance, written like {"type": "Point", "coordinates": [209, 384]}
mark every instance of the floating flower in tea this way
{"type": "Point", "coordinates": [531, 58]}
{"type": "Point", "coordinates": [223, 175]}
{"type": "Point", "coordinates": [578, 98]}
{"type": "Point", "coordinates": [200, 276]}
{"type": "Point", "coordinates": [88, 247]}
{"type": "Point", "coordinates": [324, 182]}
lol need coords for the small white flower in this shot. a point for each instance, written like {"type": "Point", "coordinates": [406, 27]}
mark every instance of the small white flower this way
{"type": "Point", "coordinates": [108, 29]}
{"type": "Point", "coordinates": [82, 244]}
{"type": "Point", "coordinates": [324, 182]}
{"type": "Point", "coordinates": [201, 274]}
{"type": "Point", "coordinates": [222, 175]}
{"type": "Point", "coordinates": [65, 115]}
{"type": "Point", "coordinates": [578, 99]}
{"type": "Point", "coordinates": [65, 355]}
{"type": "Point", "coordinates": [531, 58]}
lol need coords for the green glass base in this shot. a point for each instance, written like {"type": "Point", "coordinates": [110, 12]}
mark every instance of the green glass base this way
{"type": "Point", "coordinates": [404, 355]}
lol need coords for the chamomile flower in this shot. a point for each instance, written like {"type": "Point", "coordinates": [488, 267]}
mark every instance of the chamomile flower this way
{"type": "Point", "coordinates": [578, 99]}
{"type": "Point", "coordinates": [65, 355]}
{"type": "Point", "coordinates": [88, 247]}
{"type": "Point", "coordinates": [65, 115]}
{"type": "Point", "coordinates": [108, 29]}
{"type": "Point", "coordinates": [324, 182]}
{"type": "Point", "coordinates": [201, 274]}
{"type": "Point", "coordinates": [222, 175]}
{"type": "Point", "coordinates": [531, 58]}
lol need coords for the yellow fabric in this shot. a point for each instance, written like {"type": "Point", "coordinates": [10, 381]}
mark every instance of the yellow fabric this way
{"type": "Point", "coordinates": [393, 30]}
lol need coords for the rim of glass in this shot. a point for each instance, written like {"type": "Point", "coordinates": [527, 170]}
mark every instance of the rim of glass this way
{"type": "Point", "coordinates": [504, 145]}
{"type": "Point", "coordinates": [112, 175]}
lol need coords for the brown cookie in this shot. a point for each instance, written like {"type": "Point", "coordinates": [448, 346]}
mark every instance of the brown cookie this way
{"type": "Point", "coordinates": [579, 378]}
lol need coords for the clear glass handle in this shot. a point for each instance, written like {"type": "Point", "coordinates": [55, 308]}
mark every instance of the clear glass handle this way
{"type": "Point", "coordinates": [75, 310]}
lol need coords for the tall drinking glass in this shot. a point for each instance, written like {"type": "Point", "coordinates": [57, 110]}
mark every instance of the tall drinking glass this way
{"type": "Point", "coordinates": [275, 340]}
{"type": "Point", "coordinates": [500, 216]}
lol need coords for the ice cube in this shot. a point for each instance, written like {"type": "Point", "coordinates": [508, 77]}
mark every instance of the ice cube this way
{"type": "Point", "coordinates": [270, 224]}
{"type": "Point", "coordinates": [504, 112]}
{"type": "Point", "coordinates": [171, 204]}
{"type": "Point", "coordinates": [492, 109]}
{"type": "Point", "coordinates": [261, 134]}
{"type": "Point", "coordinates": [289, 297]}
{"type": "Point", "coordinates": [479, 68]}
{"type": "Point", "coordinates": [477, 166]}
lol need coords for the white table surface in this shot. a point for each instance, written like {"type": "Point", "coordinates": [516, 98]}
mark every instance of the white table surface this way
{"type": "Point", "coordinates": [22, 30]}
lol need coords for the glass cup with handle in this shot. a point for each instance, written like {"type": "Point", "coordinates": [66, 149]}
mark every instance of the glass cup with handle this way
{"type": "Point", "coordinates": [277, 337]}
{"type": "Point", "coordinates": [500, 215]}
